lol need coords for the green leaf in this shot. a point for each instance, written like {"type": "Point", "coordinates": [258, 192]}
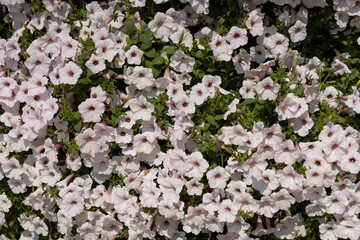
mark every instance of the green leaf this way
{"type": "Point", "coordinates": [84, 81]}
{"type": "Point", "coordinates": [354, 74]}
{"type": "Point", "coordinates": [159, 108]}
{"type": "Point", "coordinates": [299, 91]}
{"type": "Point", "coordinates": [130, 27]}
{"type": "Point", "coordinates": [151, 54]}
{"type": "Point", "coordinates": [118, 7]}
{"type": "Point", "coordinates": [156, 72]}
{"type": "Point", "coordinates": [157, 61]}
{"type": "Point", "coordinates": [114, 121]}
{"type": "Point", "coordinates": [77, 126]}
{"type": "Point", "coordinates": [145, 38]}
{"type": "Point", "coordinates": [89, 73]}
{"type": "Point", "coordinates": [221, 21]}
{"type": "Point", "coordinates": [199, 54]}
{"type": "Point", "coordinates": [211, 120]}
{"type": "Point", "coordinates": [72, 148]}
{"type": "Point", "coordinates": [218, 117]}
{"type": "Point", "coordinates": [201, 147]}
{"type": "Point", "coordinates": [198, 73]}
{"type": "Point", "coordinates": [77, 115]}
{"type": "Point", "coordinates": [247, 101]}
{"type": "Point", "coordinates": [81, 96]}
{"type": "Point", "coordinates": [170, 50]}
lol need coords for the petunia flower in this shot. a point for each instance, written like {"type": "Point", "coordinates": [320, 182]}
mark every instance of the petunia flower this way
{"type": "Point", "coordinates": [339, 68]}
{"type": "Point", "coordinates": [350, 162]}
{"type": "Point", "coordinates": [182, 62]}
{"type": "Point", "coordinates": [267, 89]}
{"type": "Point", "coordinates": [289, 178]}
{"type": "Point", "coordinates": [145, 142]}
{"type": "Point", "coordinates": [228, 211]}
{"type": "Point", "coordinates": [38, 63]}
{"type": "Point", "coordinates": [278, 44]}
{"type": "Point", "coordinates": [266, 182]}
{"type": "Point", "coordinates": [73, 161]}
{"type": "Point", "coordinates": [141, 108]}
{"type": "Point", "coordinates": [70, 73]}
{"type": "Point", "coordinates": [7, 86]}
{"type": "Point", "coordinates": [258, 53]}
{"type": "Point", "coordinates": [72, 204]}
{"type": "Point", "coordinates": [221, 49]}
{"type": "Point", "coordinates": [194, 187]}
{"type": "Point", "coordinates": [69, 47]}
{"type": "Point", "coordinates": [171, 188]}
{"type": "Point", "coordinates": [162, 26]}
{"type": "Point", "coordinates": [200, 165]}
{"type": "Point", "coordinates": [106, 49]}
{"type": "Point", "coordinates": [123, 135]}
{"type": "Point", "coordinates": [298, 31]}
{"type": "Point", "coordinates": [98, 94]}
{"type": "Point", "coordinates": [95, 64]}
{"type": "Point", "coordinates": [182, 36]}
{"type": "Point", "coordinates": [254, 22]}
{"type": "Point", "coordinates": [139, 76]}
{"type": "Point", "coordinates": [336, 203]}
{"type": "Point", "coordinates": [237, 37]}
{"type": "Point", "coordinates": [302, 124]}
{"type": "Point", "coordinates": [91, 110]}
{"type": "Point", "coordinates": [217, 177]}
{"type": "Point", "coordinates": [5, 203]}
{"type": "Point", "coordinates": [200, 6]}
{"type": "Point", "coordinates": [241, 61]}
{"type": "Point", "coordinates": [286, 153]}
{"type": "Point", "coordinates": [87, 141]}
{"type": "Point", "coordinates": [134, 55]}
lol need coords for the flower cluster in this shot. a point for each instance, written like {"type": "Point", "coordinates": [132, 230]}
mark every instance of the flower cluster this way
{"type": "Point", "coordinates": [172, 119]}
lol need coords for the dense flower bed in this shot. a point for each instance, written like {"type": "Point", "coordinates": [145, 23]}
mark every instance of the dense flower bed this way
{"type": "Point", "coordinates": [189, 119]}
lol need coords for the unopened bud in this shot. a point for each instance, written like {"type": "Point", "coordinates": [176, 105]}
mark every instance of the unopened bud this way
{"type": "Point", "coordinates": [68, 178]}
{"type": "Point", "coordinates": [167, 72]}
{"type": "Point", "coordinates": [149, 223]}
{"type": "Point", "coordinates": [59, 145]}
{"type": "Point", "coordinates": [119, 76]}
{"type": "Point", "coordinates": [303, 85]}
{"type": "Point", "coordinates": [107, 21]}
{"type": "Point", "coordinates": [276, 221]}
{"type": "Point", "coordinates": [239, 111]}
{"type": "Point", "coordinates": [267, 221]}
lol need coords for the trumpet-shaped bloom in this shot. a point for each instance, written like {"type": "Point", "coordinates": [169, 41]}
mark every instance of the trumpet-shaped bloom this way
{"type": "Point", "coordinates": [91, 110]}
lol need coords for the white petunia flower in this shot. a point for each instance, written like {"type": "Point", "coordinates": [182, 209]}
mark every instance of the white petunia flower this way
{"type": "Point", "coordinates": [141, 108]}
{"type": "Point", "coordinates": [182, 62]}
{"type": "Point", "coordinates": [254, 22]}
{"type": "Point", "coordinates": [95, 64]}
{"type": "Point", "coordinates": [298, 31]}
{"type": "Point", "coordinates": [217, 177]}
{"type": "Point", "coordinates": [91, 110]}
{"type": "Point", "coordinates": [267, 89]}
{"type": "Point", "coordinates": [237, 37]}
{"type": "Point", "coordinates": [70, 73]}
{"type": "Point", "coordinates": [134, 55]}
{"type": "Point", "coordinates": [162, 26]}
{"type": "Point", "coordinates": [242, 61]}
